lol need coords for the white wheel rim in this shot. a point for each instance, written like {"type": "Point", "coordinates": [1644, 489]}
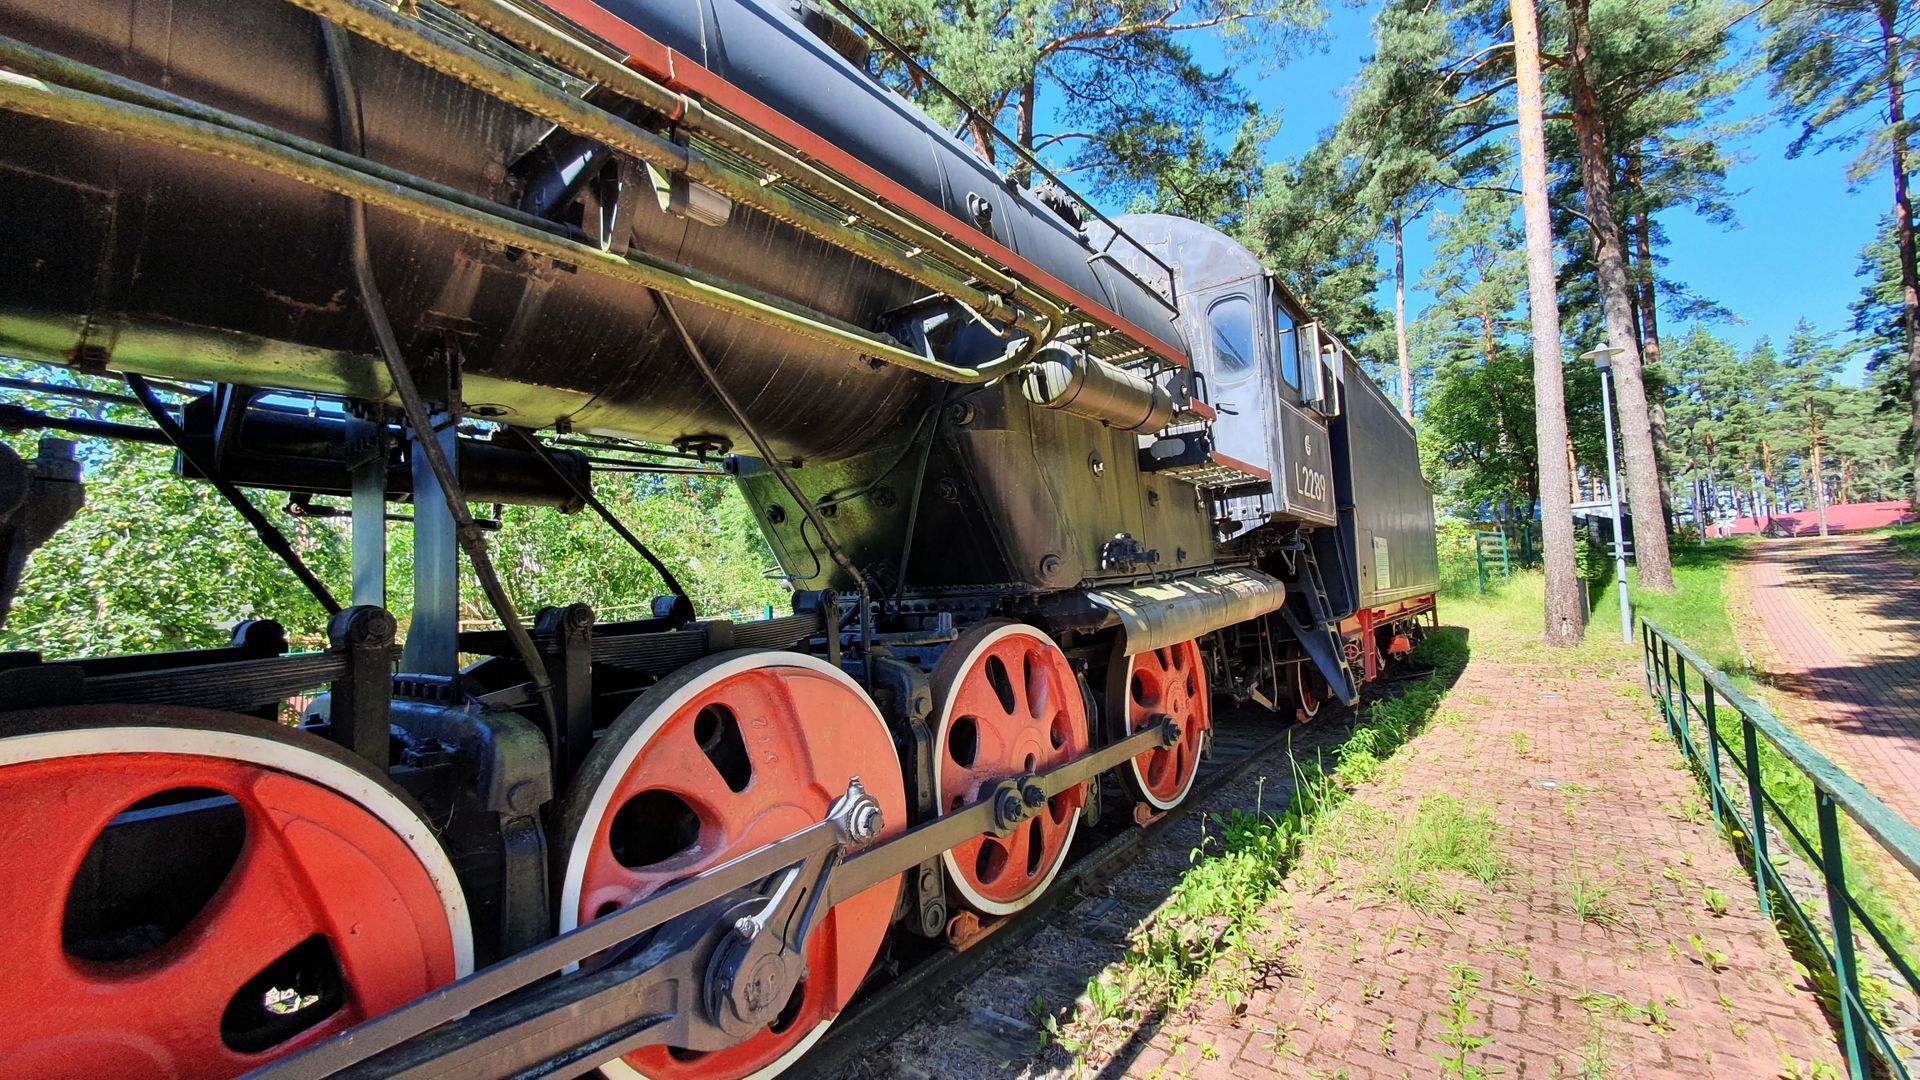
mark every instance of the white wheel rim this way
{"type": "Point", "coordinates": [1300, 691]}
{"type": "Point", "coordinates": [1133, 763]}
{"type": "Point", "coordinates": [280, 756]}
{"type": "Point", "coordinates": [967, 892]}
{"type": "Point", "coordinates": [575, 874]}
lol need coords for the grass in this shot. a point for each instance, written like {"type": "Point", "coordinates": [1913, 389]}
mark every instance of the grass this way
{"type": "Point", "coordinates": [1443, 839]}
{"type": "Point", "coordinates": [1593, 900]}
{"type": "Point", "coordinates": [1212, 912]}
{"type": "Point", "coordinates": [1906, 539]}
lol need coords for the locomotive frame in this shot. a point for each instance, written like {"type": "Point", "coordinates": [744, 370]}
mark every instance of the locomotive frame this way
{"type": "Point", "coordinates": [1045, 544]}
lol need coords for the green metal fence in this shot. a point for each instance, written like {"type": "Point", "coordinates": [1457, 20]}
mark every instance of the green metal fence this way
{"type": "Point", "coordinates": [1698, 700]}
{"type": "Point", "coordinates": [1503, 547]}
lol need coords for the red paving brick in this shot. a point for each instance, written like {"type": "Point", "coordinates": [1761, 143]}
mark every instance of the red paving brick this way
{"type": "Point", "coordinates": [1346, 981]}
{"type": "Point", "coordinates": [1836, 622]}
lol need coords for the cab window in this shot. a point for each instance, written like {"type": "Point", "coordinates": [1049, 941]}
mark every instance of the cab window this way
{"type": "Point", "coordinates": [1288, 347]}
{"type": "Point", "coordinates": [1230, 323]}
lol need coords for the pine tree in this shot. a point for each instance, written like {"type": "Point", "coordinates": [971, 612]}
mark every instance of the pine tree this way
{"type": "Point", "coordinates": [1563, 625]}
{"type": "Point", "coordinates": [1807, 401]}
{"type": "Point", "coordinates": [1839, 68]}
{"type": "Point", "coordinates": [1132, 100]}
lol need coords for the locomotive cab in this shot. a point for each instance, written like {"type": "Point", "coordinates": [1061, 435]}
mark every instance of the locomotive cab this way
{"type": "Point", "coordinates": [1266, 369]}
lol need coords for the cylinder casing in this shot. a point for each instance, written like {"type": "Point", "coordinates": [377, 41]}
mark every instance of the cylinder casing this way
{"type": "Point", "coordinates": [1069, 380]}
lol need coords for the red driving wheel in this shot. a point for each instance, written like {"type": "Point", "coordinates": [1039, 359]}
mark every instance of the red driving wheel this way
{"type": "Point", "coordinates": [1007, 702]}
{"type": "Point", "coordinates": [1304, 682]}
{"type": "Point", "coordinates": [1170, 681]}
{"type": "Point", "coordinates": [195, 894]}
{"type": "Point", "coordinates": [724, 756]}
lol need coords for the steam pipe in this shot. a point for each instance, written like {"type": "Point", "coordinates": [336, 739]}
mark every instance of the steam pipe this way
{"type": "Point", "coordinates": [523, 91]}
{"type": "Point", "coordinates": [348, 175]}
{"type": "Point", "coordinates": [578, 58]}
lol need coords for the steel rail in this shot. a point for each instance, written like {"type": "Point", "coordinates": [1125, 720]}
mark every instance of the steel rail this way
{"type": "Point", "coordinates": [381, 25]}
{"type": "Point", "coordinates": [351, 178]}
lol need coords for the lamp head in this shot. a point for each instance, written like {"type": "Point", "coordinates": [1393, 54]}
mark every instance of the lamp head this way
{"type": "Point", "coordinates": [1602, 357]}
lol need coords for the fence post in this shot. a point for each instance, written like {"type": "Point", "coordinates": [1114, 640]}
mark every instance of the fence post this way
{"type": "Point", "coordinates": [1686, 729]}
{"type": "Point", "coordinates": [1646, 655]}
{"type": "Point", "coordinates": [1666, 688]}
{"type": "Point", "coordinates": [1756, 806]}
{"type": "Point", "coordinates": [1480, 558]}
{"type": "Point", "coordinates": [1844, 968]}
{"type": "Point", "coordinates": [1506, 568]}
{"type": "Point", "coordinates": [1714, 793]}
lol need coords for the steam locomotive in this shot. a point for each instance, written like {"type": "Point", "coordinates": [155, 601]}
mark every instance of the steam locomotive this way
{"type": "Point", "coordinates": [1049, 486]}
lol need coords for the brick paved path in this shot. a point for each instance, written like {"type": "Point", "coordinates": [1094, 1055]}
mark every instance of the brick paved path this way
{"type": "Point", "coordinates": [1837, 623]}
{"type": "Point", "coordinates": [1590, 810]}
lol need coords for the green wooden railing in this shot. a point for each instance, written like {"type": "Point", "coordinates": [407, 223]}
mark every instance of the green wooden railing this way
{"type": "Point", "coordinates": [1675, 674]}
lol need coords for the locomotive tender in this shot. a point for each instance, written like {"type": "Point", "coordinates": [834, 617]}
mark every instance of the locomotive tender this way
{"type": "Point", "coordinates": [1047, 485]}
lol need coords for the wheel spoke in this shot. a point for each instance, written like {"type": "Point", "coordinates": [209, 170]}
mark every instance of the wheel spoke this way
{"type": "Point", "coordinates": [1173, 681]}
{"type": "Point", "coordinates": [989, 874]}
{"type": "Point", "coordinates": [674, 787]}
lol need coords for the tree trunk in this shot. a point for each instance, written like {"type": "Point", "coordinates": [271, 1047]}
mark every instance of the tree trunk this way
{"type": "Point", "coordinates": [1649, 328]}
{"type": "Point", "coordinates": [1699, 496]}
{"type": "Point", "coordinates": [1655, 570]}
{"type": "Point", "coordinates": [1400, 318]}
{"type": "Point", "coordinates": [1892, 44]}
{"type": "Point", "coordinates": [1024, 107]}
{"type": "Point", "coordinates": [1819, 486]}
{"type": "Point", "coordinates": [982, 139]}
{"type": "Point", "coordinates": [1563, 626]}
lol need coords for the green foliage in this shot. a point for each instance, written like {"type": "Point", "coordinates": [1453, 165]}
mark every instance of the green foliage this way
{"type": "Point", "coordinates": [1463, 995]}
{"type": "Point", "coordinates": [1139, 114]}
{"type": "Point", "coordinates": [154, 562]}
{"type": "Point", "coordinates": [1442, 839]}
{"type": "Point", "coordinates": [1593, 899]}
{"type": "Point", "coordinates": [1459, 569]}
{"type": "Point", "coordinates": [1831, 62]}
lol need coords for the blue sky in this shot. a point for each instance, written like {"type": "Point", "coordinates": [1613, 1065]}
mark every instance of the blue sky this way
{"type": "Point", "coordinates": [1791, 254]}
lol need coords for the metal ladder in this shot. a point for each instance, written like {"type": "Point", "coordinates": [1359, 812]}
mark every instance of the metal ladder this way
{"type": "Point", "coordinates": [1321, 639]}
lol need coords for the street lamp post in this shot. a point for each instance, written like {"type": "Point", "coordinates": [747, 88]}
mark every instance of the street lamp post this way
{"type": "Point", "coordinates": [1603, 361]}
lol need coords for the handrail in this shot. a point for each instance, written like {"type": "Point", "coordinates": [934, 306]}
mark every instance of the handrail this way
{"type": "Point", "coordinates": [1880, 821]}
{"type": "Point", "coordinates": [206, 130]}
{"type": "Point", "coordinates": [1863, 1037]}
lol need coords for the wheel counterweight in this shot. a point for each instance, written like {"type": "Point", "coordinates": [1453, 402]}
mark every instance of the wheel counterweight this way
{"type": "Point", "coordinates": [722, 757]}
{"type": "Point", "coordinates": [1161, 682]}
{"type": "Point", "coordinates": [194, 894]}
{"type": "Point", "coordinates": [1007, 703]}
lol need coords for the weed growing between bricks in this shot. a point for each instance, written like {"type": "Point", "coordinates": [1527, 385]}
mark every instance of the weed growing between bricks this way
{"type": "Point", "coordinates": [1208, 919]}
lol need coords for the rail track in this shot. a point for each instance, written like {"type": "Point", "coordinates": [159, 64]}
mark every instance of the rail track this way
{"type": "Point", "coordinates": [927, 992]}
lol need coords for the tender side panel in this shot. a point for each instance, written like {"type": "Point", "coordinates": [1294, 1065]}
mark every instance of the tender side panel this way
{"type": "Point", "coordinates": [1393, 544]}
